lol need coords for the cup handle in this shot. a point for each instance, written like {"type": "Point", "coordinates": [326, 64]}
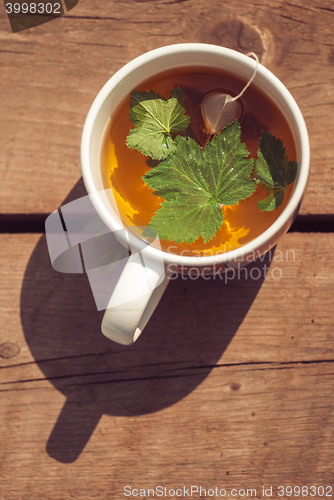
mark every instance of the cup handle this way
{"type": "Point", "coordinates": [136, 295]}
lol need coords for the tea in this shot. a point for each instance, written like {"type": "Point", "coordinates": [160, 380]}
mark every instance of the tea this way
{"type": "Point", "coordinates": [123, 168]}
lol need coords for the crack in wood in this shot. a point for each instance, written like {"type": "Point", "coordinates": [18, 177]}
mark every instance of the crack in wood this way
{"type": "Point", "coordinates": [61, 358]}
{"type": "Point", "coordinates": [325, 8]}
{"type": "Point", "coordinates": [118, 19]}
{"type": "Point", "coordinates": [92, 18]}
{"type": "Point", "coordinates": [300, 7]}
{"type": "Point", "coordinates": [299, 21]}
{"type": "Point", "coordinates": [256, 366]}
{"type": "Point", "coordinates": [15, 51]}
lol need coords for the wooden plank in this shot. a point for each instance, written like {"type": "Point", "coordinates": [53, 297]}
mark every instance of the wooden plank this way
{"type": "Point", "coordinates": [242, 428]}
{"type": "Point", "coordinates": [236, 377]}
{"type": "Point", "coordinates": [51, 74]}
{"type": "Point", "coordinates": [278, 311]}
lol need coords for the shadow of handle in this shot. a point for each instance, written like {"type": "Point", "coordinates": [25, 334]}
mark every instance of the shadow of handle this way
{"type": "Point", "coordinates": [72, 431]}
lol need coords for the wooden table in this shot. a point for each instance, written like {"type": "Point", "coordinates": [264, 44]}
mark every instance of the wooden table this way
{"type": "Point", "coordinates": [231, 386]}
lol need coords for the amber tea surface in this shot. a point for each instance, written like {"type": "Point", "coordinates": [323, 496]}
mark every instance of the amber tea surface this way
{"type": "Point", "coordinates": [123, 168]}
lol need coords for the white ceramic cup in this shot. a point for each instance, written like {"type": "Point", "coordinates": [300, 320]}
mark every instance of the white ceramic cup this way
{"type": "Point", "coordinates": [143, 280]}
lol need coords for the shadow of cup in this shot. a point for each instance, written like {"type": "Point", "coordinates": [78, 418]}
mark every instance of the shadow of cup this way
{"type": "Point", "coordinates": [184, 339]}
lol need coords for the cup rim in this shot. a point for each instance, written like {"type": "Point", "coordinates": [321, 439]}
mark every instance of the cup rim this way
{"type": "Point", "coordinates": [260, 241]}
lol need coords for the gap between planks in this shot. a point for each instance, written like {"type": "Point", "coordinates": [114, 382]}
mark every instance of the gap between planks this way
{"type": "Point", "coordinates": [35, 223]}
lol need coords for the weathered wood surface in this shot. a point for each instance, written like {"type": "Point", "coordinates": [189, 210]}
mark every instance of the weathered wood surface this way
{"type": "Point", "coordinates": [230, 385]}
{"type": "Point", "coordinates": [50, 75]}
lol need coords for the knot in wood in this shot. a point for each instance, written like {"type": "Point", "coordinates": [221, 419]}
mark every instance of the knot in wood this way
{"type": "Point", "coordinates": [9, 350]}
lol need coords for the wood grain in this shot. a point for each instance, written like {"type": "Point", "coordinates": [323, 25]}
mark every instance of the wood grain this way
{"type": "Point", "coordinates": [230, 385]}
{"type": "Point", "coordinates": [49, 76]}
{"type": "Point", "coordinates": [240, 429]}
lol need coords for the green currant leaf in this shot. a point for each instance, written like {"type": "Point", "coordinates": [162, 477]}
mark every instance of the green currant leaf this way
{"type": "Point", "coordinates": [156, 119]}
{"type": "Point", "coordinates": [274, 170]}
{"type": "Point", "coordinates": [196, 183]}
